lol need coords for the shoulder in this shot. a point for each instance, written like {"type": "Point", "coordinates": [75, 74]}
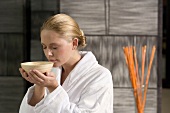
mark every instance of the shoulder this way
{"type": "Point", "coordinates": [102, 70]}
{"type": "Point", "coordinates": [99, 74]}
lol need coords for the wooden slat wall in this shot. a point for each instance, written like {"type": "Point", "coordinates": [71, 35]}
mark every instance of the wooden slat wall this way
{"type": "Point", "coordinates": [3, 56]}
{"type": "Point", "coordinates": [11, 36]}
{"type": "Point", "coordinates": [124, 101]}
{"type": "Point", "coordinates": [11, 20]}
{"type": "Point", "coordinates": [11, 94]}
{"type": "Point", "coordinates": [36, 51]}
{"type": "Point", "coordinates": [15, 51]}
{"type": "Point", "coordinates": [43, 5]}
{"type": "Point", "coordinates": [90, 14]}
{"type": "Point", "coordinates": [11, 54]}
{"type": "Point", "coordinates": [37, 19]}
{"type": "Point", "coordinates": [133, 17]}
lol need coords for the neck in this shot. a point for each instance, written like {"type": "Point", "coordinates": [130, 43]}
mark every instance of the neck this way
{"type": "Point", "coordinates": [68, 67]}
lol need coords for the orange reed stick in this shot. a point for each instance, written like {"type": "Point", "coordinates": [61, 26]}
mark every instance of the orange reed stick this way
{"type": "Point", "coordinates": [148, 76]}
{"type": "Point", "coordinates": [129, 57]}
{"type": "Point", "coordinates": [143, 63]}
{"type": "Point", "coordinates": [139, 90]}
{"type": "Point", "coordinates": [134, 76]}
{"type": "Point", "coordinates": [132, 67]}
{"type": "Point", "coordinates": [136, 65]}
{"type": "Point", "coordinates": [125, 54]}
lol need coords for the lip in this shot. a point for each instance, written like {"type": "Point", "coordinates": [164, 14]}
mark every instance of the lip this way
{"type": "Point", "coordinates": [52, 60]}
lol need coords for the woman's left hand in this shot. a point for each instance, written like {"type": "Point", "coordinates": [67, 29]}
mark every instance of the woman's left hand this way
{"type": "Point", "coordinates": [45, 80]}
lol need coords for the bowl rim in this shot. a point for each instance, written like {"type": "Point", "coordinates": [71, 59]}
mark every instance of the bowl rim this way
{"type": "Point", "coordinates": [32, 63]}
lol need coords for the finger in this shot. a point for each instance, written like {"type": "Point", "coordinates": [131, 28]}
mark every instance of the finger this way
{"type": "Point", "coordinates": [30, 80]}
{"type": "Point", "coordinates": [26, 77]}
{"type": "Point", "coordinates": [39, 74]}
{"type": "Point", "coordinates": [23, 73]}
{"type": "Point", "coordinates": [34, 77]}
{"type": "Point", "coordinates": [21, 70]}
{"type": "Point", "coordinates": [34, 81]}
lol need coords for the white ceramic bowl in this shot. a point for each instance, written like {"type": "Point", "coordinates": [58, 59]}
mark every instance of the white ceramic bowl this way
{"type": "Point", "coordinates": [42, 66]}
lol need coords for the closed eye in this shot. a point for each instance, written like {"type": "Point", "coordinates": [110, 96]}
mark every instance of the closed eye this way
{"type": "Point", "coordinates": [44, 47]}
{"type": "Point", "coordinates": [54, 48]}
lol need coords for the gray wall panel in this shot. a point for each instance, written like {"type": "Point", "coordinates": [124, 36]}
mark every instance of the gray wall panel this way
{"type": "Point", "coordinates": [136, 17]}
{"type": "Point", "coordinates": [14, 53]}
{"type": "Point", "coordinates": [11, 94]}
{"type": "Point", "coordinates": [11, 16]}
{"type": "Point", "coordinates": [47, 5]}
{"type": "Point", "coordinates": [124, 101]}
{"type": "Point", "coordinates": [90, 14]}
{"type": "Point", "coordinates": [11, 54]}
{"type": "Point", "coordinates": [37, 19]}
{"type": "Point", "coordinates": [94, 44]}
{"type": "Point", "coordinates": [36, 50]}
{"type": "Point", "coordinates": [3, 55]}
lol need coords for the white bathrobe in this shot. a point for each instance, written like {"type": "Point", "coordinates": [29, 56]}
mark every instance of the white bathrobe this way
{"type": "Point", "coordinates": [87, 89]}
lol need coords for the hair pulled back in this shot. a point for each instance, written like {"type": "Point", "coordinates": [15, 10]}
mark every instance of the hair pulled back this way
{"type": "Point", "coordinates": [65, 26]}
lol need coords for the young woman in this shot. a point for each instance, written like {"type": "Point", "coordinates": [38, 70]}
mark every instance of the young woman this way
{"type": "Point", "coordinates": [77, 83]}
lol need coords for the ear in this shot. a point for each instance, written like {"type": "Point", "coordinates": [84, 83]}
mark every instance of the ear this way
{"type": "Point", "coordinates": [75, 43]}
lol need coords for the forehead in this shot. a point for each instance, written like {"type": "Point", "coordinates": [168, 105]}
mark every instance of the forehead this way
{"type": "Point", "coordinates": [50, 33]}
{"type": "Point", "coordinates": [50, 36]}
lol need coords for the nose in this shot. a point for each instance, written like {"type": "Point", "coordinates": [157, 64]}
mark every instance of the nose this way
{"type": "Point", "coordinates": [49, 52]}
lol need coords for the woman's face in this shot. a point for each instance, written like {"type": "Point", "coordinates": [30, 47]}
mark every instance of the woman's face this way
{"type": "Point", "coordinates": [56, 48]}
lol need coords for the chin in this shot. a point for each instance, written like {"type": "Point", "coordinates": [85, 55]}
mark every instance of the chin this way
{"type": "Point", "coordinates": [56, 65]}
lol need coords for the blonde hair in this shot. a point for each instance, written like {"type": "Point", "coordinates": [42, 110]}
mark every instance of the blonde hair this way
{"type": "Point", "coordinates": [65, 26]}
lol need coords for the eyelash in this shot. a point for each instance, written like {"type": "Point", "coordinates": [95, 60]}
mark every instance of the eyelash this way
{"type": "Point", "coordinates": [44, 47]}
{"type": "Point", "coordinates": [51, 48]}
{"type": "Point", "coordinates": [54, 47]}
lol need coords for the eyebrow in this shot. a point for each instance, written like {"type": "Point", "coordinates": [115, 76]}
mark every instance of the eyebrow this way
{"type": "Point", "coordinates": [51, 44]}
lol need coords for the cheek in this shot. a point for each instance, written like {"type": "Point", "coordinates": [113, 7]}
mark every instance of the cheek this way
{"type": "Point", "coordinates": [45, 52]}
{"type": "Point", "coordinates": [64, 53]}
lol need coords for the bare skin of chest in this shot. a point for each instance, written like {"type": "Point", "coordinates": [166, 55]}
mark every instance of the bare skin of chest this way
{"type": "Point", "coordinates": [63, 77]}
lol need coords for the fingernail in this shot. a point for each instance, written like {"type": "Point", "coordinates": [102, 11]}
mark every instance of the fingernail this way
{"type": "Point", "coordinates": [34, 71]}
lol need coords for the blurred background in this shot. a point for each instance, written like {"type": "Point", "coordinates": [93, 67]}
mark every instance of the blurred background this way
{"type": "Point", "coordinates": [108, 24]}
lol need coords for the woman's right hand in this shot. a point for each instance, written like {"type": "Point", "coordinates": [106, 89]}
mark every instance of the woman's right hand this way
{"type": "Point", "coordinates": [25, 75]}
{"type": "Point", "coordinates": [39, 79]}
